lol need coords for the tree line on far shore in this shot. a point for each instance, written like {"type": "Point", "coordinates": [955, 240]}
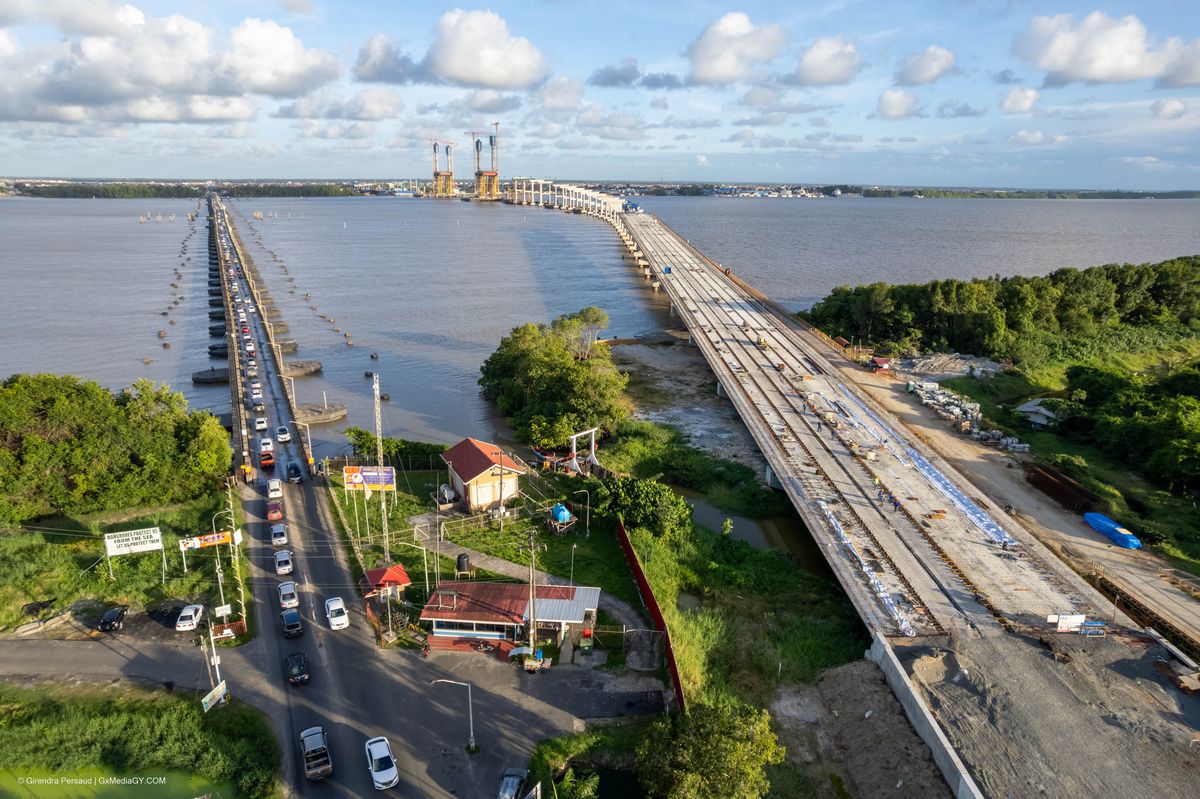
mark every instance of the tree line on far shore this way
{"type": "Point", "coordinates": [69, 446]}
{"type": "Point", "coordinates": [139, 190]}
{"type": "Point", "coordinates": [1021, 319]}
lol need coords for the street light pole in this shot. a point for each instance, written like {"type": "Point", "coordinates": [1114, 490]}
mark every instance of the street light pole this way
{"type": "Point", "coordinates": [470, 710]}
{"type": "Point", "coordinates": [587, 511]}
{"type": "Point", "coordinates": [573, 564]}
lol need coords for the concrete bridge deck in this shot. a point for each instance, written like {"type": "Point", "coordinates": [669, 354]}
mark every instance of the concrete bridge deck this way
{"type": "Point", "coordinates": [940, 562]}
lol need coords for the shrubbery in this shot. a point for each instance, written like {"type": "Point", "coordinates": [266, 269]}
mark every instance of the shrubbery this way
{"type": "Point", "coordinates": [69, 447]}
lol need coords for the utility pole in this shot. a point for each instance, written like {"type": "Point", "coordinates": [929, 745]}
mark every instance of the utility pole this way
{"type": "Point", "coordinates": [387, 544]}
{"type": "Point", "coordinates": [532, 589]}
{"type": "Point", "coordinates": [500, 453]}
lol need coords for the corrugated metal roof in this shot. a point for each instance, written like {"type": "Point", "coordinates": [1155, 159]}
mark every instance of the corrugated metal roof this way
{"type": "Point", "coordinates": [470, 458]}
{"type": "Point", "coordinates": [568, 609]}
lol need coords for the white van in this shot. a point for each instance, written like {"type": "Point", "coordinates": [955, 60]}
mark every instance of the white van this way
{"type": "Point", "coordinates": [274, 489]}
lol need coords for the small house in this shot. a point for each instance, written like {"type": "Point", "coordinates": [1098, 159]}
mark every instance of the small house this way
{"type": "Point", "coordinates": [879, 364]}
{"type": "Point", "coordinates": [1037, 414]}
{"type": "Point", "coordinates": [386, 579]}
{"type": "Point", "coordinates": [481, 474]}
{"type": "Point", "coordinates": [501, 611]}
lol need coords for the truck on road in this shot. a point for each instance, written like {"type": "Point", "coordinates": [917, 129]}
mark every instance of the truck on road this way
{"type": "Point", "coordinates": [314, 751]}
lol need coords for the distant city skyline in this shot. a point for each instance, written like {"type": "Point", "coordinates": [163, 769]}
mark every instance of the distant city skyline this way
{"type": "Point", "coordinates": [958, 93]}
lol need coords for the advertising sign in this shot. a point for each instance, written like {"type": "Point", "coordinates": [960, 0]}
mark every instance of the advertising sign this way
{"type": "Point", "coordinates": [222, 611]}
{"type": "Point", "coordinates": [131, 541]}
{"type": "Point", "coordinates": [372, 478]}
{"type": "Point", "coordinates": [210, 540]}
{"type": "Point", "coordinates": [213, 697]}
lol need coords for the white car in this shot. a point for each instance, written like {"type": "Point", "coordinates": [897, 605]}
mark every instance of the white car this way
{"type": "Point", "coordinates": [256, 386]}
{"type": "Point", "coordinates": [189, 618]}
{"type": "Point", "coordinates": [249, 309]}
{"type": "Point", "coordinates": [279, 535]}
{"type": "Point", "coordinates": [256, 393]}
{"type": "Point", "coordinates": [274, 489]}
{"type": "Point", "coordinates": [381, 763]}
{"type": "Point", "coordinates": [335, 612]}
{"type": "Point", "coordinates": [288, 598]}
{"type": "Point", "coordinates": [266, 445]}
{"type": "Point", "coordinates": [283, 562]}
{"type": "Point", "coordinates": [252, 364]}
{"type": "Point", "coordinates": [283, 434]}
{"type": "Point", "coordinates": [251, 372]}
{"type": "Point", "coordinates": [261, 424]}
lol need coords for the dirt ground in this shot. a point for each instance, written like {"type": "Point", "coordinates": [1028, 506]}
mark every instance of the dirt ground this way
{"type": "Point", "coordinates": [848, 726]}
{"type": "Point", "coordinates": [1106, 723]}
{"type": "Point", "coordinates": [79, 624]}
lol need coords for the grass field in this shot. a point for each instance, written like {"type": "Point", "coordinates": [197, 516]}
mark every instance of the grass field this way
{"type": "Point", "coordinates": [102, 733]}
{"type": "Point", "coordinates": [60, 561]}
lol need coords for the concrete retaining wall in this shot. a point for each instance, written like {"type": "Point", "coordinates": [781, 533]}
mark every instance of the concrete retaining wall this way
{"type": "Point", "coordinates": [922, 720]}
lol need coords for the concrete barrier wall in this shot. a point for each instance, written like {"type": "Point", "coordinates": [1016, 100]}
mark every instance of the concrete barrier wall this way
{"type": "Point", "coordinates": [947, 760]}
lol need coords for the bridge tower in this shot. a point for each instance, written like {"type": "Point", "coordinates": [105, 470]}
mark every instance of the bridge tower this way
{"type": "Point", "coordinates": [443, 180]}
{"type": "Point", "coordinates": [487, 181]}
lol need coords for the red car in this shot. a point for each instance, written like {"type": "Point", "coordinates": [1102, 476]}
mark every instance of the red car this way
{"type": "Point", "coordinates": [274, 512]}
{"type": "Point", "coordinates": [245, 328]}
{"type": "Point", "coordinates": [266, 460]}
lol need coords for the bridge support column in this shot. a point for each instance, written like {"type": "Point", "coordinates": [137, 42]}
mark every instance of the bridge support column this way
{"type": "Point", "coordinates": [721, 392]}
{"type": "Point", "coordinates": [773, 479]}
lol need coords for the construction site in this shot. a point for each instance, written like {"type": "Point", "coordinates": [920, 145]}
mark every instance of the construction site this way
{"type": "Point", "coordinates": [486, 185]}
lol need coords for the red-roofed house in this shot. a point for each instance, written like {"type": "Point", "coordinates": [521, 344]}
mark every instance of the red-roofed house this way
{"type": "Point", "coordinates": [500, 611]}
{"type": "Point", "coordinates": [481, 473]}
{"type": "Point", "coordinates": [387, 577]}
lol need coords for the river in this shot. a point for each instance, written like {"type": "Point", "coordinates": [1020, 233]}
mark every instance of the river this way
{"type": "Point", "coordinates": [431, 286]}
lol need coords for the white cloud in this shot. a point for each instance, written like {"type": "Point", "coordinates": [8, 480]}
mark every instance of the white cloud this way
{"type": "Point", "coordinates": [830, 61]}
{"type": "Point", "coordinates": [8, 44]}
{"type": "Point", "coordinates": [381, 61]}
{"type": "Point", "coordinates": [896, 104]}
{"type": "Point", "coordinates": [561, 94]}
{"type": "Point", "coordinates": [475, 48]}
{"type": "Point", "coordinates": [550, 130]}
{"type": "Point", "coordinates": [298, 6]}
{"type": "Point", "coordinates": [267, 58]}
{"type": "Point", "coordinates": [926, 67]}
{"type": "Point", "coordinates": [607, 124]}
{"type": "Point", "coordinates": [1019, 100]}
{"type": "Point", "coordinates": [1143, 161]}
{"type": "Point", "coordinates": [702, 160]}
{"type": "Point", "coordinates": [491, 101]}
{"type": "Point", "coordinates": [1168, 108]}
{"type": "Point", "coordinates": [372, 103]}
{"type": "Point", "coordinates": [1034, 138]}
{"type": "Point", "coordinates": [760, 97]}
{"type": "Point", "coordinates": [730, 48]}
{"type": "Point", "coordinates": [1101, 49]}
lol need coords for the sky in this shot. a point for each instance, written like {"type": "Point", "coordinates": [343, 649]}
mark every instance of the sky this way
{"type": "Point", "coordinates": [954, 93]}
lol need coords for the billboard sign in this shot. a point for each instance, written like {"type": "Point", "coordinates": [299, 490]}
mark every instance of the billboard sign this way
{"type": "Point", "coordinates": [130, 541]}
{"type": "Point", "coordinates": [210, 540]}
{"type": "Point", "coordinates": [369, 478]}
{"type": "Point", "coordinates": [222, 611]}
{"type": "Point", "coordinates": [213, 697]}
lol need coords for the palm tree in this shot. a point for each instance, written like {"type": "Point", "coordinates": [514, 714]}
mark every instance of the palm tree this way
{"type": "Point", "coordinates": [571, 787]}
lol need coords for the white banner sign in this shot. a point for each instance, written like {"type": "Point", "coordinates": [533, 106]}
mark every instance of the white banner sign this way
{"type": "Point", "coordinates": [131, 541]}
{"type": "Point", "coordinates": [223, 610]}
{"type": "Point", "coordinates": [213, 697]}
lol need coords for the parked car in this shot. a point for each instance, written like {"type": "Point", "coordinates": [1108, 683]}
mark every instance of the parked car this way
{"type": "Point", "coordinates": [335, 612]}
{"type": "Point", "coordinates": [189, 618]}
{"type": "Point", "coordinates": [283, 434]}
{"type": "Point", "coordinates": [512, 782]}
{"type": "Point", "coordinates": [295, 666]}
{"type": "Point", "coordinates": [261, 422]}
{"type": "Point", "coordinates": [283, 562]}
{"type": "Point", "coordinates": [293, 627]}
{"type": "Point", "coordinates": [113, 619]}
{"type": "Point", "coordinates": [274, 489]}
{"type": "Point", "coordinates": [279, 535]}
{"type": "Point", "coordinates": [381, 764]}
{"type": "Point", "coordinates": [274, 511]}
{"type": "Point", "coordinates": [288, 598]}
{"type": "Point", "coordinates": [294, 474]}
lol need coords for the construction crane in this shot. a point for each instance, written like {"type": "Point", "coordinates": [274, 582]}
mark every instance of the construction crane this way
{"type": "Point", "coordinates": [443, 180]}
{"type": "Point", "coordinates": [487, 181]}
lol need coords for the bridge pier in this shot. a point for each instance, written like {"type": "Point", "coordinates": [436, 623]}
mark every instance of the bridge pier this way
{"type": "Point", "coordinates": [773, 480]}
{"type": "Point", "coordinates": [721, 392]}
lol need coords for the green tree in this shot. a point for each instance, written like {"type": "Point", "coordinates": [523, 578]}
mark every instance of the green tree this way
{"type": "Point", "coordinates": [710, 751]}
{"type": "Point", "coordinates": [572, 786]}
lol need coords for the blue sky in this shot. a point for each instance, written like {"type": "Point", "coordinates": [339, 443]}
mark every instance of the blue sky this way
{"type": "Point", "coordinates": [963, 92]}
